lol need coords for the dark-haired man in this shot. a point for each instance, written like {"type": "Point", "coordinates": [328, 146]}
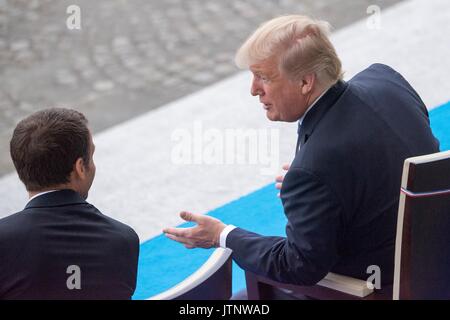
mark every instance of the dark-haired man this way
{"type": "Point", "coordinates": [60, 246]}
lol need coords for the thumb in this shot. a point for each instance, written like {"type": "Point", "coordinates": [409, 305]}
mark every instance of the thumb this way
{"type": "Point", "coordinates": [187, 216]}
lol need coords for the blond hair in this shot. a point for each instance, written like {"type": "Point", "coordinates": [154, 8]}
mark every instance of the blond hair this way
{"type": "Point", "coordinates": [299, 43]}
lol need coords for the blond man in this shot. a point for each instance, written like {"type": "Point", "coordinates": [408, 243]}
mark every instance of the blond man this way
{"type": "Point", "coordinates": [340, 193]}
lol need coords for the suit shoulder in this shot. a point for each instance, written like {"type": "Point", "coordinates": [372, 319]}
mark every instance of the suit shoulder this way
{"type": "Point", "coordinates": [381, 67]}
{"type": "Point", "coordinates": [123, 229]}
{"type": "Point", "coordinates": [379, 75]}
{"type": "Point", "coordinates": [13, 222]}
{"type": "Point", "coordinates": [130, 232]}
{"type": "Point", "coordinates": [14, 229]}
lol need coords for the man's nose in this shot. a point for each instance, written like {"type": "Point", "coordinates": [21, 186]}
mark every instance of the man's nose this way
{"type": "Point", "coordinates": [256, 89]}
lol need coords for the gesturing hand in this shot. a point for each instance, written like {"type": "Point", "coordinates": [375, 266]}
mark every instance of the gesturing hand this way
{"type": "Point", "coordinates": [280, 179]}
{"type": "Point", "coordinates": [205, 234]}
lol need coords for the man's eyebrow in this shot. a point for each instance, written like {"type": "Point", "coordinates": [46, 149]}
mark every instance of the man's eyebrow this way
{"type": "Point", "coordinates": [256, 68]}
{"type": "Point", "coordinates": [260, 73]}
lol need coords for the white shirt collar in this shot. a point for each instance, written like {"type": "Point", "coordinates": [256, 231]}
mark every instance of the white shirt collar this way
{"type": "Point", "coordinates": [40, 194]}
{"type": "Point", "coordinates": [300, 121]}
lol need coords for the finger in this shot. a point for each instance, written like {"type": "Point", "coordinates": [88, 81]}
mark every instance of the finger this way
{"type": "Point", "coordinates": [189, 246]}
{"type": "Point", "coordinates": [286, 166]}
{"type": "Point", "coordinates": [182, 240]}
{"type": "Point", "coordinates": [279, 195]}
{"type": "Point", "coordinates": [178, 232]}
{"type": "Point", "coordinates": [278, 185]}
{"type": "Point", "coordinates": [279, 179]}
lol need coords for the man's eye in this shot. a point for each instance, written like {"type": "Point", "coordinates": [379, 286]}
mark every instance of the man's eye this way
{"type": "Point", "coordinates": [263, 78]}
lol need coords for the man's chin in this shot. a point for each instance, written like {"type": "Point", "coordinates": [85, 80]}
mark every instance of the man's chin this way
{"type": "Point", "coordinates": [271, 116]}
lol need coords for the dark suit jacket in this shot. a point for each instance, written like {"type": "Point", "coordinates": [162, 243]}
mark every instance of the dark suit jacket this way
{"type": "Point", "coordinates": [341, 194]}
{"type": "Point", "coordinates": [59, 229]}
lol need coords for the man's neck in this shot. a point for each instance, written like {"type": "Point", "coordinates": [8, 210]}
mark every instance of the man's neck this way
{"type": "Point", "coordinates": [318, 94]}
{"type": "Point", "coordinates": [316, 98]}
{"type": "Point", "coordinates": [32, 194]}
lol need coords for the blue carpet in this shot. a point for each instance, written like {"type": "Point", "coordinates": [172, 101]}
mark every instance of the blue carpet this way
{"type": "Point", "coordinates": [163, 263]}
{"type": "Point", "coordinates": [440, 123]}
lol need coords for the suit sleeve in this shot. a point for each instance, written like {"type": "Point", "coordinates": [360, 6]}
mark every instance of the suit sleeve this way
{"type": "Point", "coordinates": [134, 251]}
{"type": "Point", "coordinates": [313, 231]}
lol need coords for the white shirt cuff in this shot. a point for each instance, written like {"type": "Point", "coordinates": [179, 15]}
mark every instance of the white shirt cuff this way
{"type": "Point", "coordinates": [224, 234]}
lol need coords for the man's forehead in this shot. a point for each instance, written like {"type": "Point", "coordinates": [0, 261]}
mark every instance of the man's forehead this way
{"type": "Point", "coordinates": [266, 66]}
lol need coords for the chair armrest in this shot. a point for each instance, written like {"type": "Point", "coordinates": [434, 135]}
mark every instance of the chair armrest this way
{"type": "Point", "coordinates": [332, 287]}
{"type": "Point", "coordinates": [211, 281]}
{"type": "Point", "coordinates": [345, 284]}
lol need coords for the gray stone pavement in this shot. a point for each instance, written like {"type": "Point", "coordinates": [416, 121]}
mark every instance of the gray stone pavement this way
{"type": "Point", "coordinates": [130, 56]}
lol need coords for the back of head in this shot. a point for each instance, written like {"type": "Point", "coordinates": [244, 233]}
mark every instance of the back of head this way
{"type": "Point", "coordinates": [45, 146]}
{"type": "Point", "coordinates": [300, 45]}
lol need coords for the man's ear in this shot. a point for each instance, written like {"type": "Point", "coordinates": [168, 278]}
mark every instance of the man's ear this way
{"type": "Point", "coordinates": [308, 82]}
{"type": "Point", "coordinates": [80, 169]}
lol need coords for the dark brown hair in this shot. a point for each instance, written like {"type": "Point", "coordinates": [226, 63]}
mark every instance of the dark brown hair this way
{"type": "Point", "coordinates": [45, 146]}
